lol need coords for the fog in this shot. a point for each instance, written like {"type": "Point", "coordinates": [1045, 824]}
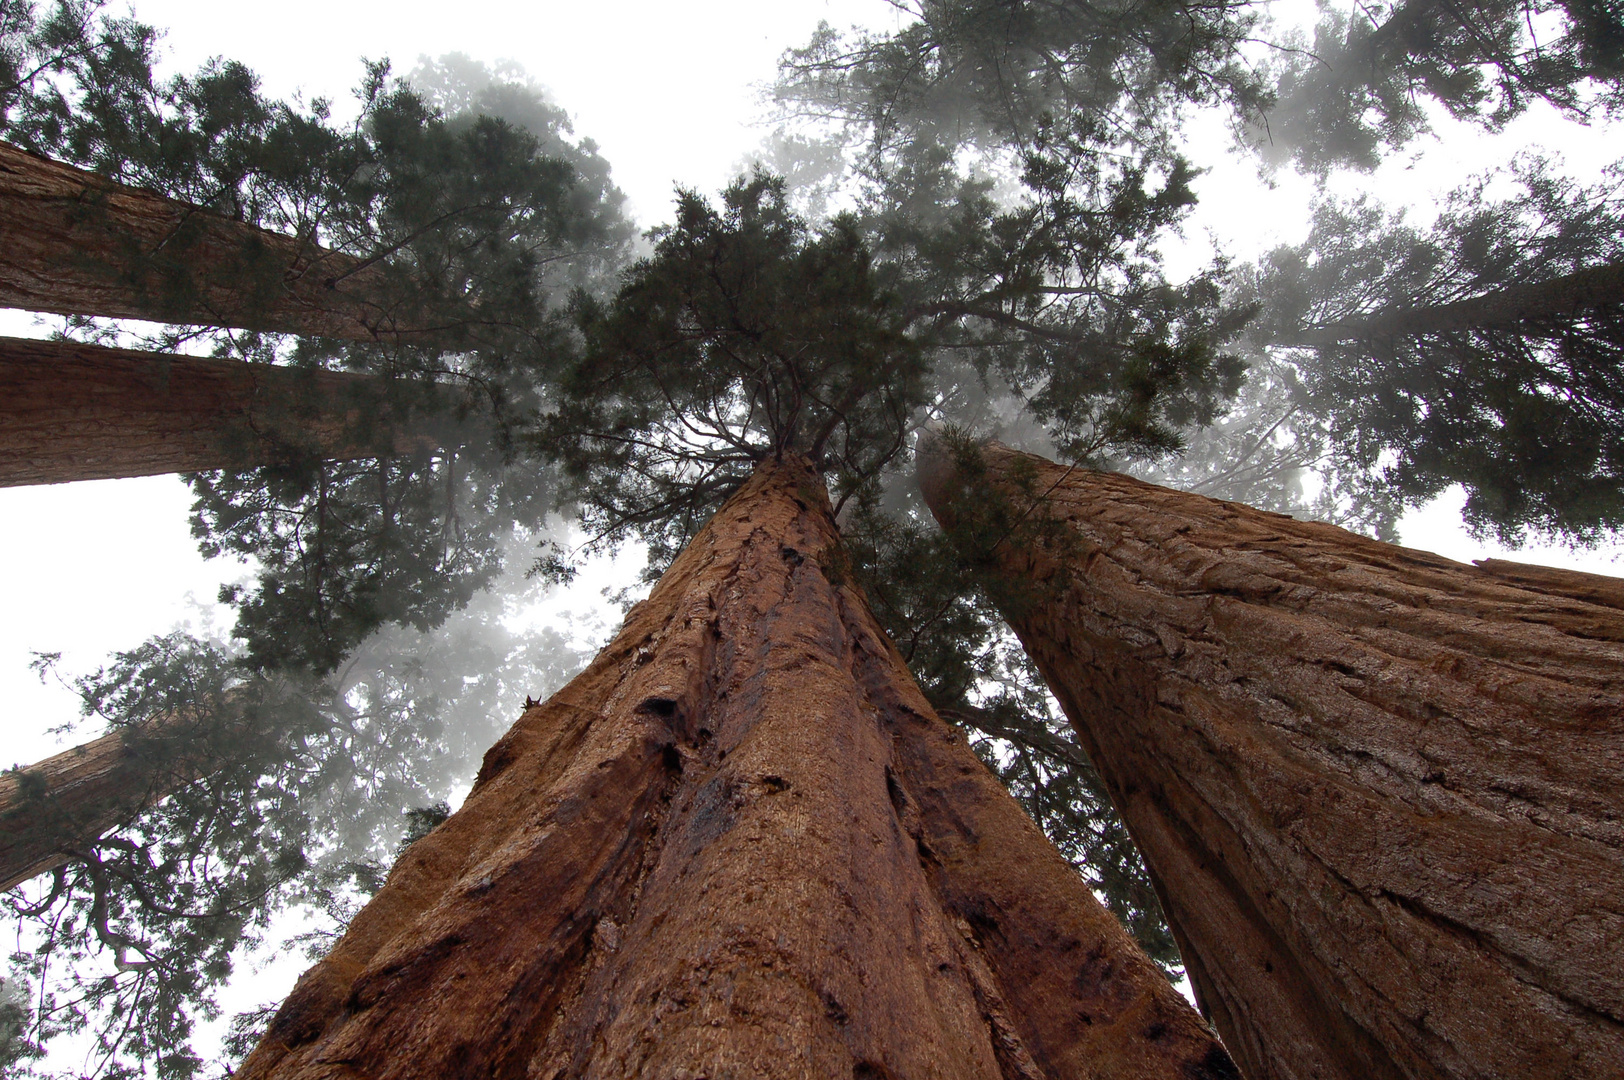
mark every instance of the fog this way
{"type": "Point", "coordinates": [670, 94]}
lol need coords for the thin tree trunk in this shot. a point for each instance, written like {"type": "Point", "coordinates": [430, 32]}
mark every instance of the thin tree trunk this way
{"type": "Point", "coordinates": [1559, 299]}
{"type": "Point", "coordinates": [1379, 791]}
{"type": "Point", "coordinates": [739, 844]}
{"type": "Point", "coordinates": [82, 412]}
{"type": "Point", "coordinates": [80, 244]}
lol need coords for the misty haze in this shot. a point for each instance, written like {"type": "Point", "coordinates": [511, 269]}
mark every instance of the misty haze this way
{"type": "Point", "coordinates": [881, 539]}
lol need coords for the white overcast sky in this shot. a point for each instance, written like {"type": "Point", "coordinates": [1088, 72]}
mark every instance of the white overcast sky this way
{"type": "Point", "coordinates": [669, 92]}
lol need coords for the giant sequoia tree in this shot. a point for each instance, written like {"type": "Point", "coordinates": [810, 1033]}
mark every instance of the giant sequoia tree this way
{"type": "Point", "coordinates": [1017, 172]}
{"type": "Point", "coordinates": [739, 843]}
{"type": "Point", "coordinates": [1377, 789]}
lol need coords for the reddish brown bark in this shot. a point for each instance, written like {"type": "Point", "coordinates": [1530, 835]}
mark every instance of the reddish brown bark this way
{"type": "Point", "coordinates": [79, 244]}
{"type": "Point", "coordinates": [1380, 791]}
{"type": "Point", "coordinates": [82, 412]}
{"type": "Point", "coordinates": [739, 844]}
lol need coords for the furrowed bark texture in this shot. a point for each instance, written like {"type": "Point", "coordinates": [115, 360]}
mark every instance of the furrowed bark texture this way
{"type": "Point", "coordinates": [82, 412]}
{"type": "Point", "coordinates": [739, 844]}
{"type": "Point", "coordinates": [74, 797]}
{"type": "Point", "coordinates": [80, 244]}
{"type": "Point", "coordinates": [1379, 791]}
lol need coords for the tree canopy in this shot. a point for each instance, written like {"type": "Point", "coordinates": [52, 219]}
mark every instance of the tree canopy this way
{"type": "Point", "coordinates": [1007, 178]}
{"type": "Point", "coordinates": [1482, 351]}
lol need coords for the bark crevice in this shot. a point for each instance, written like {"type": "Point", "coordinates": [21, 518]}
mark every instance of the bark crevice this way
{"type": "Point", "coordinates": [1300, 726]}
{"type": "Point", "coordinates": [757, 907]}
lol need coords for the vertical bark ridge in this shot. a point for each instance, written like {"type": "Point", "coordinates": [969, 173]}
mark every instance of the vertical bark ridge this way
{"type": "Point", "coordinates": [1378, 790]}
{"type": "Point", "coordinates": [82, 412]}
{"type": "Point", "coordinates": [739, 844]}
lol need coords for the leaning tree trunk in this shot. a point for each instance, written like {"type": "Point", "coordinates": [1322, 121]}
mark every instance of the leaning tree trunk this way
{"type": "Point", "coordinates": [81, 412]}
{"type": "Point", "coordinates": [739, 844]}
{"type": "Point", "coordinates": [1381, 793]}
{"type": "Point", "coordinates": [68, 801]}
{"type": "Point", "coordinates": [80, 244]}
{"type": "Point", "coordinates": [1546, 303]}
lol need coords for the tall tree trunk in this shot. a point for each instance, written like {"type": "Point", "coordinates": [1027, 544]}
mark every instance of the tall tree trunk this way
{"type": "Point", "coordinates": [1379, 791]}
{"type": "Point", "coordinates": [80, 244]}
{"type": "Point", "coordinates": [1549, 302]}
{"type": "Point", "coordinates": [739, 844]}
{"type": "Point", "coordinates": [82, 412]}
{"type": "Point", "coordinates": [71, 799]}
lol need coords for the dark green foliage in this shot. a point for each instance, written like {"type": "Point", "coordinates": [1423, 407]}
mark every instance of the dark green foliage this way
{"type": "Point", "coordinates": [469, 227]}
{"type": "Point", "coordinates": [586, 216]}
{"type": "Point", "coordinates": [745, 335]}
{"type": "Point", "coordinates": [959, 106]}
{"type": "Point", "coordinates": [1018, 175]}
{"type": "Point", "coordinates": [76, 80]}
{"type": "Point", "coordinates": [1059, 298]}
{"type": "Point", "coordinates": [748, 332]}
{"type": "Point", "coordinates": [285, 793]}
{"type": "Point", "coordinates": [478, 223]}
{"type": "Point", "coordinates": [944, 627]}
{"type": "Point", "coordinates": [343, 548]}
{"type": "Point", "coordinates": [480, 228]}
{"type": "Point", "coordinates": [474, 207]}
{"type": "Point", "coordinates": [1523, 408]}
{"type": "Point", "coordinates": [992, 72]}
{"type": "Point", "coordinates": [1362, 86]}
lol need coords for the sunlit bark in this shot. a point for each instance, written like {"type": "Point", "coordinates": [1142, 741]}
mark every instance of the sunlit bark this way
{"type": "Point", "coordinates": [739, 844]}
{"type": "Point", "coordinates": [1379, 791]}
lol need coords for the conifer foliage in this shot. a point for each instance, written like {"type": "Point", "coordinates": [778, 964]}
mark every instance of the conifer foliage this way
{"type": "Point", "coordinates": [1015, 172]}
{"type": "Point", "coordinates": [1483, 351]}
{"type": "Point", "coordinates": [744, 335]}
{"type": "Point", "coordinates": [466, 232]}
